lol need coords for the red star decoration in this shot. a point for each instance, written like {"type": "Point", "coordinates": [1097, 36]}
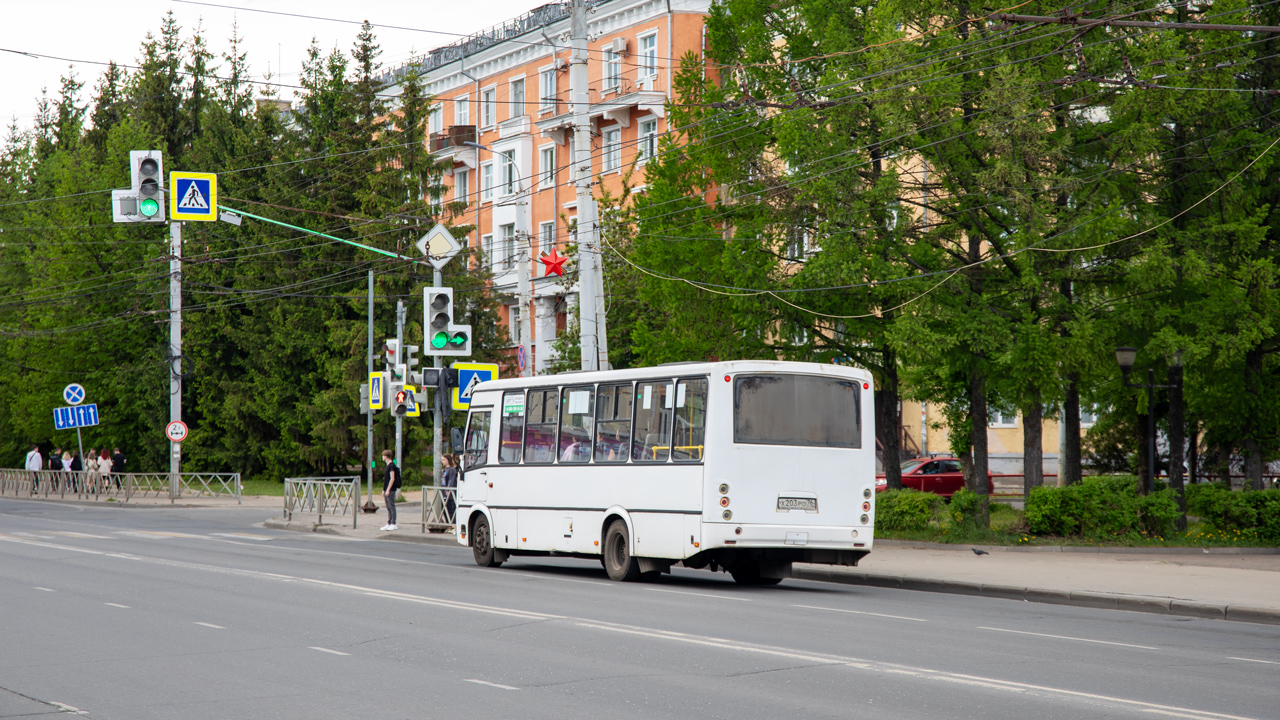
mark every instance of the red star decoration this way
{"type": "Point", "coordinates": [554, 262]}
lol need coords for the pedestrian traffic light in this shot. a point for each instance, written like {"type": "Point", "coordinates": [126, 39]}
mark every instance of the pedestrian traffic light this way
{"type": "Point", "coordinates": [444, 335]}
{"type": "Point", "coordinates": [147, 173]}
{"type": "Point", "coordinates": [404, 401]}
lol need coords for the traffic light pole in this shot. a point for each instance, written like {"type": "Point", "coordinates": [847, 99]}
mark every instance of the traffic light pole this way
{"type": "Point", "coordinates": [368, 452]}
{"type": "Point", "coordinates": [400, 342]}
{"type": "Point", "coordinates": [175, 349]}
{"type": "Point", "coordinates": [437, 417]}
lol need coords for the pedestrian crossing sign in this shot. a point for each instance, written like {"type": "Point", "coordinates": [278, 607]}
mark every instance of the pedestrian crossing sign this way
{"type": "Point", "coordinates": [193, 196]}
{"type": "Point", "coordinates": [469, 376]}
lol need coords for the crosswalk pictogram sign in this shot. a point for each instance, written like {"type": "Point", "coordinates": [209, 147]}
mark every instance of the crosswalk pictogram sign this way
{"type": "Point", "coordinates": [193, 196]}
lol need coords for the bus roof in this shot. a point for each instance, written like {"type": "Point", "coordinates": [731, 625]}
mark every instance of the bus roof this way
{"type": "Point", "coordinates": [680, 369]}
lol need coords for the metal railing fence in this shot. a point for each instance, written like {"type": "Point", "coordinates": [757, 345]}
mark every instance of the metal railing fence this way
{"type": "Point", "coordinates": [120, 487]}
{"type": "Point", "coordinates": [316, 495]}
{"type": "Point", "coordinates": [439, 508]}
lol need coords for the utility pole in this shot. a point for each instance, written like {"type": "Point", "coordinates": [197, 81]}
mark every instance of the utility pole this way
{"type": "Point", "coordinates": [400, 344]}
{"type": "Point", "coordinates": [437, 417]}
{"type": "Point", "coordinates": [525, 298]}
{"type": "Point", "coordinates": [368, 452]}
{"type": "Point", "coordinates": [175, 349]}
{"type": "Point", "coordinates": [589, 282]}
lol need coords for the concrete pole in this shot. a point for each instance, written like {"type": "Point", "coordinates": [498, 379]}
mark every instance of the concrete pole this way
{"type": "Point", "coordinates": [175, 351]}
{"type": "Point", "coordinates": [437, 417]}
{"type": "Point", "coordinates": [399, 356]}
{"type": "Point", "coordinates": [368, 453]}
{"type": "Point", "coordinates": [580, 105]}
{"type": "Point", "coordinates": [525, 296]}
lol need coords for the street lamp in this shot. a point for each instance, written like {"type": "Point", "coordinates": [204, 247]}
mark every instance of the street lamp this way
{"type": "Point", "coordinates": [1125, 357]}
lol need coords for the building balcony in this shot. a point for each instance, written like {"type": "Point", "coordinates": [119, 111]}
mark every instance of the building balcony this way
{"type": "Point", "coordinates": [618, 109]}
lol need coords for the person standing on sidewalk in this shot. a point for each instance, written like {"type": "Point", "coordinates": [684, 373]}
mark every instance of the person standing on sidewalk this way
{"type": "Point", "coordinates": [449, 479]}
{"type": "Point", "coordinates": [118, 461]}
{"type": "Point", "coordinates": [55, 464]}
{"type": "Point", "coordinates": [35, 464]}
{"type": "Point", "coordinates": [390, 485]}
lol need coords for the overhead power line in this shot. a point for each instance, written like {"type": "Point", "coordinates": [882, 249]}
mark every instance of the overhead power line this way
{"type": "Point", "coordinates": [1077, 21]}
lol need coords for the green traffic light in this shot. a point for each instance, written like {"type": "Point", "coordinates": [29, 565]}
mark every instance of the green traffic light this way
{"type": "Point", "coordinates": [458, 339]}
{"type": "Point", "coordinates": [439, 340]}
{"type": "Point", "coordinates": [149, 207]}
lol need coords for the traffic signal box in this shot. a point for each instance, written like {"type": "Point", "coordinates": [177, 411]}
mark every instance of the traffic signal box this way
{"type": "Point", "coordinates": [143, 201]}
{"type": "Point", "coordinates": [405, 404]}
{"type": "Point", "coordinates": [445, 337]}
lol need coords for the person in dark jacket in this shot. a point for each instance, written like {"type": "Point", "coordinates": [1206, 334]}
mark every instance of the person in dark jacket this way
{"type": "Point", "coordinates": [117, 464]}
{"type": "Point", "coordinates": [390, 485]}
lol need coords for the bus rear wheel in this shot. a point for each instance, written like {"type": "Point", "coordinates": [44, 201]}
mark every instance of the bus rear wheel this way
{"type": "Point", "coordinates": [749, 574]}
{"type": "Point", "coordinates": [482, 545]}
{"type": "Point", "coordinates": [617, 554]}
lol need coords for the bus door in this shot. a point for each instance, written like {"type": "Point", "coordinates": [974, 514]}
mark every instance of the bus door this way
{"type": "Point", "coordinates": [473, 483]}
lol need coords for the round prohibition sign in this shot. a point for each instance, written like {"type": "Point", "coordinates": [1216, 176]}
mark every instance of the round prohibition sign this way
{"type": "Point", "coordinates": [176, 431]}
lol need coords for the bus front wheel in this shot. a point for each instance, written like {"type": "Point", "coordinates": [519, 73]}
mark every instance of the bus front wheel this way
{"type": "Point", "coordinates": [482, 544]}
{"type": "Point", "coordinates": [617, 554]}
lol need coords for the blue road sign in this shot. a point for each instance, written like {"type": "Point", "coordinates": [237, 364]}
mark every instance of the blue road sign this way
{"type": "Point", "coordinates": [70, 418]}
{"type": "Point", "coordinates": [73, 394]}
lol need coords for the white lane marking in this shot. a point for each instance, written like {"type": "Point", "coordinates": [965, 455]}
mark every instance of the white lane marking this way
{"type": "Point", "coordinates": [68, 709]}
{"type": "Point", "coordinates": [68, 533]}
{"type": "Point", "coordinates": [652, 633]}
{"type": "Point", "coordinates": [34, 535]}
{"type": "Point", "coordinates": [485, 682]}
{"type": "Point", "coordinates": [209, 625]}
{"type": "Point", "coordinates": [1064, 637]}
{"type": "Point", "coordinates": [1269, 662]}
{"type": "Point", "coordinates": [126, 607]}
{"type": "Point", "coordinates": [685, 592]}
{"type": "Point", "coordinates": [37, 587]}
{"type": "Point", "coordinates": [246, 536]}
{"type": "Point", "coordinates": [158, 533]}
{"type": "Point", "coordinates": [327, 650]}
{"type": "Point", "coordinates": [861, 612]}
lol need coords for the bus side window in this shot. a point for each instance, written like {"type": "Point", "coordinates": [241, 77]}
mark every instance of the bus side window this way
{"type": "Point", "coordinates": [613, 423]}
{"type": "Point", "coordinates": [476, 448]}
{"type": "Point", "coordinates": [652, 429]}
{"type": "Point", "coordinates": [691, 420]}
{"type": "Point", "coordinates": [540, 426]}
{"type": "Point", "coordinates": [575, 425]}
{"type": "Point", "coordinates": [511, 433]}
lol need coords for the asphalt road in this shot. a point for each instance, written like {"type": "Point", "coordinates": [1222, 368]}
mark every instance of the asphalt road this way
{"type": "Point", "coordinates": [157, 613]}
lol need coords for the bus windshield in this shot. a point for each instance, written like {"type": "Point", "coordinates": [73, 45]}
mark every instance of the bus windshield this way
{"type": "Point", "coordinates": [798, 410]}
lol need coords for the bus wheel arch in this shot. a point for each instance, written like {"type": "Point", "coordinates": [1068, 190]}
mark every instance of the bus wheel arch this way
{"type": "Point", "coordinates": [611, 515]}
{"type": "Point", "coordinates": [616, 554]}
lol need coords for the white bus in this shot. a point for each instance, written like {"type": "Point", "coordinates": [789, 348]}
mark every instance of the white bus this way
{"type": "Point", "coordinates": [744, 467]}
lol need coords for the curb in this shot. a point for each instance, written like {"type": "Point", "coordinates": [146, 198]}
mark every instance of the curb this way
{"type": "Point", "coordinates": [1092, 549]}
{"type": "Point", "coordinates": [1075, 598]}
{"type": "Point", "coordinates": [441, 539]}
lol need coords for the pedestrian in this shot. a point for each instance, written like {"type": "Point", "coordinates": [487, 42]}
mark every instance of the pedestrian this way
{"type": "Point", "coordinates": [66, 468]}
{"type": "Point", "coordinates": [92, 477]}
{"type": "Point", "coordinates": [449, 479]}
{"type": "Point", "coordinates": [390, 485]}
{"type": "Point", "coordinates": [55, 464]}
{"type": "Point", "coordinates": [77, 472]}
{"type": "Point", "coordinates": [118, 462]}
{"type": "Point", "coordinates": [104, 468]}
{"type": "Point", "coordinates": [35, 464]}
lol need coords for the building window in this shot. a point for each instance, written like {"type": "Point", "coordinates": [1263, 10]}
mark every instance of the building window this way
{"type": "Point", "coordinates": [798, 247]}
{"type": "Point", "coordinates": [547, 166]}
{"type": "Point", "coordinates": [612, 69]}
{"type": "Point", "coordinates": [547, 236]}
{"type": "Point", "coordinates": [648, 139]}
{"type": "Point", "coordinates": [649, 55]}
{"type": "Point", "coordinates": [461, 186]}
{"type": "Point", "coordinates": [1088, 415]}
{"type": "Point", "coordinates": [513, 315]}
{"type": "Point", "coordinates": [1002, 419]}
{"type": "Point", "coordinates": [486, 182]}
{"type": "Point", "coordinates": [517, 97]}
{"type": "Point", "coordinates": [508, 245]}
{"type": "Point", "coordinates": [547, 90]}
{"type": "Point", "coordinates": [488, 108]}
{"type": "Point", "coordinates": [573, 158]}
{"type": "Point", "coordinates": [486, 244]}
{"type": "Point", "coordinates": [435, 120]}
{"type": "Point", "coordinates": [612, 150]}
{"type": "Point", "coordinates": [462, 111]}
{"type": "Point", "coordinates": [509, 175]}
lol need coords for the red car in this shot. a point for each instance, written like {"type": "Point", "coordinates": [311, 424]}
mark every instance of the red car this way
{"type": "Point", "coordinates": [939, 475]}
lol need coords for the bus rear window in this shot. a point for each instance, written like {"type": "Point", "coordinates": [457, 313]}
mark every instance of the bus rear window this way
{"type": "Point", "coordinates": [800, 410]}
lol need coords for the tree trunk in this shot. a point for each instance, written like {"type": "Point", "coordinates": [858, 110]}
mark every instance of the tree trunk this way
{"type": "Point", "coordinates": [1193, 451]}
{"type": "Point", "coordinates": [889, 421]}
{"type": "Point", "coordinates": [1144, 477]}
{"type": "Point", "coordinates": [1224, 464]}
{"type": "Point", "coordinates": [1177, 444]}
{"type": "Point", "coordinates": [1032, 446]}
{"type": "Point", "coordinates": [1252, 447]}
{"type": "Point", "coordinates": [1069, 463]}
{"type": "Point", "coordinates": [978, 439]}
{"type": "Point", "coordinates": [1252, 464]}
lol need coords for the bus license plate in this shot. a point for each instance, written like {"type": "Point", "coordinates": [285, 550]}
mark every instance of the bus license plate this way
{"type": "Point", "coordinates": [786, 504]}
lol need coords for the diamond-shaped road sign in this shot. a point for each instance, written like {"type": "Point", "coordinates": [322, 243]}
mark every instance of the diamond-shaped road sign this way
{"type": "Point", "coordinates": [439, 246]}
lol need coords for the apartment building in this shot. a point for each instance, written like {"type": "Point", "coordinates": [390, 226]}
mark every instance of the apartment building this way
{"type": "Point", "coordinates": [506, 89]}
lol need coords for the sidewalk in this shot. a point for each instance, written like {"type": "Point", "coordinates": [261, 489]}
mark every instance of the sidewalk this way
{"type": "Point", "coordinates": [1240, 584]}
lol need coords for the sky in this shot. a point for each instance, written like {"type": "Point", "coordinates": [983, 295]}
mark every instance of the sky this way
{"type": "Point", "coordinates": [94, 31]}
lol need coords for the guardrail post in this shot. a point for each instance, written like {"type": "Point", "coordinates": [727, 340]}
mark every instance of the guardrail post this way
{"type": "Point", "coordinates": [355, 509]}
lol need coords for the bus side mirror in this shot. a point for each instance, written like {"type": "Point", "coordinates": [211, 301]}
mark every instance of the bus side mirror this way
{"type": "Point", "coordinates": [455, 435]}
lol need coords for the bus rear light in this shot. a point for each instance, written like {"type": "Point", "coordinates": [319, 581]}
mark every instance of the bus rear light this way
{"type": "Point", "coordinates": [859, 544]}
{"type": "Point", "coordinates": [724, 488]}
{"type": "Point", "coordinates": [866, 507]}
{"type": "Point", "coordinates": [866, 386]}
{"type": "Point", "coordinates": [726, 378]}
{"type": "Point", "coordinates": [724, 501]}
{"type": "Point", "coordinates": [727, 514]}
{"type": "Point", "coordinates": [854, 533]}
{"type": "Point", "coordinates": [737, 531]}
{"type": "Point", "coordinates": [864, 519]}
{"type": "Point", "coordinates": [730, 542]}
{"type": "Point", "coordinates": [866, 493]}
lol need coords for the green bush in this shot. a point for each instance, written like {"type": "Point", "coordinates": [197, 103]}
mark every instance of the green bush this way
{"type": "Point", "coordinates": [1251, 510]}
{"type": "Point", "coordinates": [1101, 507]}
{"type": "Point", "coordinates": [905, 509]}
{"type": "Point", "coordinates": [964, 509]}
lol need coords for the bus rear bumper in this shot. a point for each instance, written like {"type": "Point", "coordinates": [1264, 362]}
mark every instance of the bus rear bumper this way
{"type": "Point", "coordinates": [788, 537]}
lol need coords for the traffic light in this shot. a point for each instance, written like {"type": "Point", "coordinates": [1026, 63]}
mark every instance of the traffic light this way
{"type": "Point", "coordinates": [404, 401]}
{"type": "Point", "coordinates": [397, 372]}
{"type": "Point", "coordinates": [391, 349]}
{"type": "Point", "coordinates": [444, 336]}
{"type": "Point", "coordinates": [143, 201]}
